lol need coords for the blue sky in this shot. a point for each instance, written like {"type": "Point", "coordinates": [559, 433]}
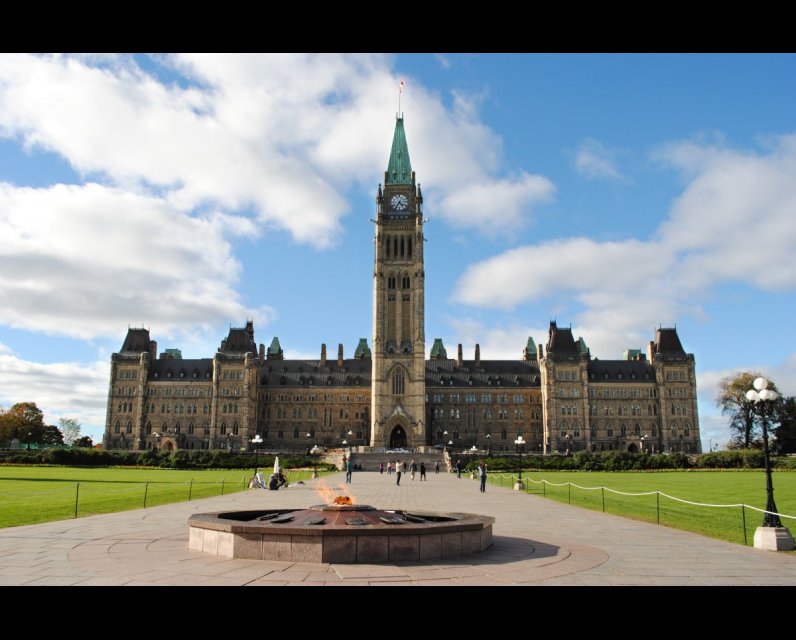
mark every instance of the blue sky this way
{"type": "Point", "coordinates": [615, 193]}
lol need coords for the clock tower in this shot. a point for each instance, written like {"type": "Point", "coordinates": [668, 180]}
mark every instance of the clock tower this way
{"type": "Point", "coordinates": [399, 368]}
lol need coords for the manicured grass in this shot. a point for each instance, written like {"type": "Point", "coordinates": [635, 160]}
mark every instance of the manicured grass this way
{"type": "Point", "coordinates": [707, 487]}
{"type": "Point", "coordinates": [29, 495]}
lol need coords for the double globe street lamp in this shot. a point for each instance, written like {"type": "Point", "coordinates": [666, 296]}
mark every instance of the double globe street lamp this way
{"type": "Point", "coordinates": [256, 441]}
{"type": "Point", "coordinates": [772, 535]}
{"type": "Point", "coordinates": [520, 444]}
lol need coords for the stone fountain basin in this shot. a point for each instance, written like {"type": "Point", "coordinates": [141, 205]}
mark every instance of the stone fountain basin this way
{"type": "Point", "coordinates": [239, 534]}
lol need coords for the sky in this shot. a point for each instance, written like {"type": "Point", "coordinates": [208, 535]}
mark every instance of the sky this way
{"type": "Point", "coordinates": [190, 193]}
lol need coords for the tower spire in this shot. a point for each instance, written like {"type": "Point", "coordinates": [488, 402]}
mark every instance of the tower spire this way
{"type": "Point", "coordinates": [399, 168]}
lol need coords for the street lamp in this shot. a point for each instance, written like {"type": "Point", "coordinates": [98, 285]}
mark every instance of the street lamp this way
{"type": "Point", "coordinates": [350, 434]}
{"type": "Point", "coordinates": [315, 451]}
{"type": "Point", "coordinates": [642, 439]}
{"type": "Point", "coordinates": [256, 441]}
{"type": "Point", "coordinates": [568, 439]}
{"type": "Point", "coordinates": [772, 535]}
{"type": "Point", "coordinates": [488, 449]}
{"type": "Point", "coordinates": [30, 435]}
{"type": "Point", "coordinates": [156, 435]}
{"type": "Point", "coordinates": [520, 444]}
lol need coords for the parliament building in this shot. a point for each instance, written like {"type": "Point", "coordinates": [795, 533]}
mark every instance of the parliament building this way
{"type": "Point", "coordinates": [555, 395]}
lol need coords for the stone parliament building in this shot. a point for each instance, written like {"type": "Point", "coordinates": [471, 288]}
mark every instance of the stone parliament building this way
{"type": "Point", "coordinates": [556, 395]}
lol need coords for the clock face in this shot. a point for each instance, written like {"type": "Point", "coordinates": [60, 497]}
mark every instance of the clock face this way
{"type": "Point", "coordinates": [399, 202]}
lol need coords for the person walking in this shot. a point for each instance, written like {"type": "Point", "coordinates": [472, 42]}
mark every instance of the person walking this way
{"type": "Point", "coordinates": [423, 471]}
{"type": "Point", "coordinates": [381, 468]}
{"type": "Point", "coordinates": [349, 467]}
{"type": "Point", "coordinates": [413, 467]}
{"type": "Point", "coordinates": [459, 468]}
{"type": "Point", "coordinates": [404, 466]}
{"type": "Point", "coordinates": [436, 467]}
{"type": "Point", "coordinates": [398, 472]}
{"type": "Point", "coordinates": [482, 475]}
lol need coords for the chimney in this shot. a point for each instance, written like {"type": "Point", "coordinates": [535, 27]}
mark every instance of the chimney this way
{"type": "Point", "coordinates": [540, 353]}
{"type": "Point", "coordinates": [477, 355]}
{"type": "Point", "coordinates": [262, 351]}
{"type": "Point", "coordinates": [459, 359]}
{"type": "Point", "coordinates": [340, 355]}
{"type": "Point", "coordinates": [651, 351]}
{"type": "Point", "coordinates": [323, 355]}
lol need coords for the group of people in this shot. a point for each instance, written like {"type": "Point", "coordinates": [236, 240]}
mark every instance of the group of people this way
{"type": "Point", "coordinates": [398, 467]}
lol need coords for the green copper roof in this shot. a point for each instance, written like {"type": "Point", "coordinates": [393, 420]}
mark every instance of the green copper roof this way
{"type": "Point", "coordinates": [631, 354]}
{"type": "Point", "coordinates": [399, 170]}
{"type": "Point", "coordinates": [531, 346]}
{"type": "Point", "coordinates": [275, 346]}
{"type": "Point", "coordinates": [174, 353]}
{"type": "Point", "coordinates": [363, 350]}
{"type": "Point", "coordinates": [438, 350]}
{"type": "Point", "coordinates": [582, 348]}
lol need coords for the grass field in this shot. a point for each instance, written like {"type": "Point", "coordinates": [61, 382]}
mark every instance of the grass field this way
{"type": "Point", "coordinates": [707, 487]}
{"type": "Point", "coordinates": [40, 494]}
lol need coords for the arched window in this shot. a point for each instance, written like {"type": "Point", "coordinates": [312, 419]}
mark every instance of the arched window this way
{"type": "Point", "coordinates": [624, 431]}
{"type": "Point", "coordinates": [398, 382]}
{"type": "Point", "coordinates": [235, 428]}
{"type": "Point", "coordinates": [405, 282]}
{"type": "Point", "coordinates": [636, 429]}
{"type": "Point", "coordinates": [223, 428]}
{"type": "Point", "coordinates": [502, 434]}
{"type": "Point", "coordinates": [148, 428]}
{"type": "Point", "coordinates": [190, 428]}
{"type": "Point", "coordinates": [207, 428]}
{"type": "Point", "coordinates": [177, 428]}
{"type": "Point", "coordinates": [129, 427]}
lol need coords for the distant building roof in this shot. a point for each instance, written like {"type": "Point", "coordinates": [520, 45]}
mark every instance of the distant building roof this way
{"type": "Point", "coordinates": [169, 369]}
{"type": "Point", "coordinates": [620, 371]}
{"type": "Point", "coordinates": [438, 350]}
{"type": "Point", "coordinates": [137, 341]}
{"type": "Point", "coordinates": [239, 340]}
{"type": "Point", "coordinates": [560, 341]}
{"type": "Point", "coordinates": [174, 354]}
{"type": "Point", "coordinates": [667, 342]}
{"type": "Point", "coordinates": [275, 350]}
{"type": "Point", "coordinates": [362, 350]}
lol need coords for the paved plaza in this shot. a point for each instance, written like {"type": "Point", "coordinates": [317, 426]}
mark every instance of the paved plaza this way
{"type": "Point", "coordinates": [536, 542]}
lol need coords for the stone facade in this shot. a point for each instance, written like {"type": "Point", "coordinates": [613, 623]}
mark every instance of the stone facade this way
{"type": "Point", "coordinates": [557, 396]}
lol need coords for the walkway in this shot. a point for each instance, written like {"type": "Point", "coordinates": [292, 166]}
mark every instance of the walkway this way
{"type": "Point", "coordinates": [536, 541]}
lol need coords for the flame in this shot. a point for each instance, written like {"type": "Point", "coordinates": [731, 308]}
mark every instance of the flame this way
{"type": "Point", "coordinates": [329, 494]}
{"type": "Point", "coordinates": [344, 500]}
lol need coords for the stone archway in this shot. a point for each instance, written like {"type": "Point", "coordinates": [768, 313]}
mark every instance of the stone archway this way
{"type": "Point", "coordinates": [632, 448]}
{"type": "Point", "coordinates": [168, 445]}
{"type": "Point", "coordinates": [398, 437]}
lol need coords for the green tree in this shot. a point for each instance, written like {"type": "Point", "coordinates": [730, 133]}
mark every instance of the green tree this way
{"type": "Point", "coordinates": [733, 403]}
{"type": "Point", "coordinates": [785, 421]}
{"type": "Point", "coordinates": [52, 435]}
{"type": "Point", "coordinates": [83, 441]}
{"type": "Point", "coordinates": [70, 427]}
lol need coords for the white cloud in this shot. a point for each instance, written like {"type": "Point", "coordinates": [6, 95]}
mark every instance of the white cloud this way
{"type": "Point", "coordinates": [59, 389]}
{"type": "Point", "coordinates": [733, 223]}
{"type": "Point", "coordinates": [87, 260]}
{"type": "Point", "coordinates": [595, 161]}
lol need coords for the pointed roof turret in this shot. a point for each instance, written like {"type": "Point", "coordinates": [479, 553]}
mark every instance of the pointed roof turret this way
{"type": "Point", "coordinates": [362, 350]}
{"type": "Point", "coordinates": [399, 169]}
{"type": "Point", "coordinates": [275, 350]}
{"type": "Point", "coordinates": [438, 350]}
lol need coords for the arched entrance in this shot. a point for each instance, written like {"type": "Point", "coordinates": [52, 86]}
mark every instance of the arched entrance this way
{"type": "Point", "coordinates": [167, 445]}
{"type": "Point", "coordinates": [397, 437]}
{"type": "Point", "coordinates": [632, 448]}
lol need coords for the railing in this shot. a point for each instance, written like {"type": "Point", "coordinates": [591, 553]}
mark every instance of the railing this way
{"type": "Point", "coordinates": [667, 514]}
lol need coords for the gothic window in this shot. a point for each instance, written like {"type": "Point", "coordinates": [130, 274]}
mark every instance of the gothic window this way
{"type": "Point", "coordinates": [636, 430]}
{"type": "Point", "coordinates": [235, 428]}
{"type": "Point", "coordinates": [295, 433]}
{"type": "Point", "coordinates": [398, 382]}
{"type": "Point", "coordinates": [391, 282]}
{"type": "Point", "coordinates": [177, 428]}
{"type": "Point", "coordinates": [190, 428]}
{"type": "Point", "coordinates": [624, 431]}
{"type": "Point", "coordinates": [575, 429]}
{"type": "Point", "coordinates": [609, 430]}
{"type": "Point", "coordinates": [502, 434]}
{"type": "Point", "coordinates": [129, 427]}
{"type": "Point", "coordinates": [405, 282]}
{"type": "Point", "coordinates": [149, 428]}
{"type": "Point", "coordinates": [409, 247]}
{"type": "Point", "coordinates": [223, 428]}
{"type": "Point", "coordinates": [207, 428]}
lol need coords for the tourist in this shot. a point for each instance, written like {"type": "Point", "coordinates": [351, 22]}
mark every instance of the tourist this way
{"type": "Point", "coordinates": [398, 472]}
{"type": "Point", "coordinates": [413, 467]}
{"type": "Point", "coordinates": [482, 475]}
{"type": "Point", "coordinates": [436, 467]}
{"type": "Point", "coordinates": [404, 466]}
{"type": "Point", "coordinates": [423, 471]}
{"type": "Point", "coordinates": [459, 468]}
{"type": "Point", "coordinates": [381, 468]}
{"type": "Point", "coordinates": [348, 469]}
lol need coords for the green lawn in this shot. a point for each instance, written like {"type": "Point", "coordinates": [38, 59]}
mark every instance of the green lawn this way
{"type": "Point", "coordinates": [40, 494]}
{"type": "Point", "coordinates": [707, 487]}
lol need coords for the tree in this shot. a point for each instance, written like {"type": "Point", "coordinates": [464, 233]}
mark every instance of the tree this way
{"type": "Point", "coordinates": [733, 403]}
{"type": "Point", "coordinates": [785, 419]}
{"type": "Point", "coordinates": [70, 427]}
{"type": "Point", "coordinates": [25, 421]}
{"type": "Point", "coordinates": [83, 441]}
{"type": "Point", "coordinates": [52, 435]}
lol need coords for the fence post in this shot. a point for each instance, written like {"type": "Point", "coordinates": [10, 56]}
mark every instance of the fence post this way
{"type": "Point", "coordinates": [743, 519]}
{"type": "Point", "coordinates": [569, 490]}
{"type": "Point", "coordinates": [222, 486]}
{"type": "Point", "coordinates": [544, 488]}
{"type": "Point", "coordinates": [658, 505]}
{"type": "Point", "coordinates": [146, 490]}
{"type": "Point", "coordinates": [190, 490]}
{"type": "Point", "coordinates": [77, 497]}
{"type": "Point", "coordinates": [243, 481]}
{"type": "Point", "coordinates": [602, 490]}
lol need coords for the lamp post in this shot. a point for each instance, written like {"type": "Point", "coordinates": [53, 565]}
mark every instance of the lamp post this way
{"type": "Point", "coordinates": [30, 435]}
{"type": "Point", "coordinates": [520, 444]}
{"type": "Point", "coordinates": [488, 449]}
{"type": "Point", "coordinates": [568, 439]}
{"type": "Point", "coordinates": [350, 434]}
{"type": "Point", "coordinates": [315, 451]}
{"type": "Point", "coordinates": [256, 441]}
{"type": "Point", "coordinates": [772, 535]}
{"type": "Point", "coordinates": [641, 442]}
{"type": "Point", "coordinates": [156, 435]}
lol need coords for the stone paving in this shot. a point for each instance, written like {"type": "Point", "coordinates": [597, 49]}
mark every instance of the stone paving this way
{"type": "Point", "coordinates": [536, 542]}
